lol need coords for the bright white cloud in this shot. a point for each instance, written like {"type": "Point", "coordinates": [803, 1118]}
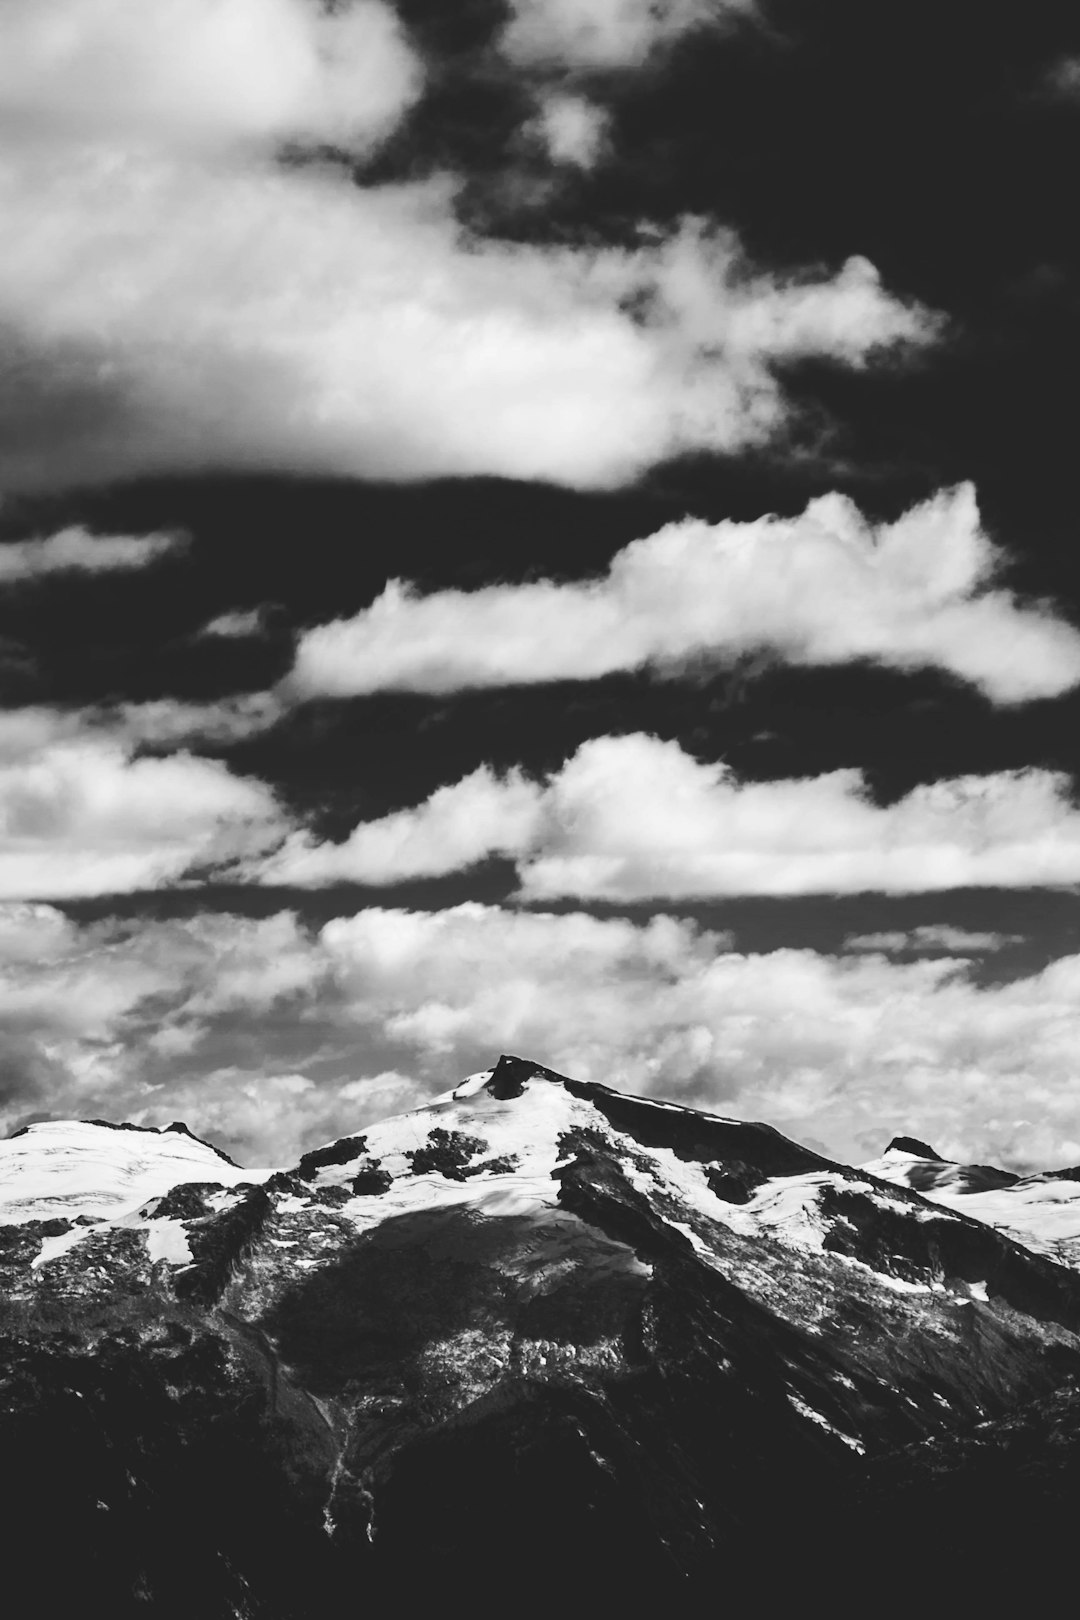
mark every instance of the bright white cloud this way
{"type": "Point", "coordinates": [188, 313]}
{"type": "Point", "coordinates": [268, 1038]}
{"type": "Point", "coordinates": [79, 815]}
{"type": "Point", "coordinates": [606, 34]}
{"type": "Point", "coordinates": [205, 71]}
{"type": "Point", "coordinates": [571, 129]}
{"type": "Point", "coordinates": [636, 818]}
{"type": "Point", "coordinates": [827, 587]}
{"type": "Point", "coordinates": [932, 937]}
{"type": "Point", "coordinates": [482, 816]}
{"type": "Point", "coordinates": [77, 551]}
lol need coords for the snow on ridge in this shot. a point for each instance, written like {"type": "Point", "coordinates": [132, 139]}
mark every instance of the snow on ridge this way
{"type": "Point", "coordinates": [524, 1130]}
{"type": "Point", "coordinates": [80, 1168]}
{"type": "Point", "coordinates": [1041, 1213]}
{"type": "Point", "coordinates": [68, 1168]}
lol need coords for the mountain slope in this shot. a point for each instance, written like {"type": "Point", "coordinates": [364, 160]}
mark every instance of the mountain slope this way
{"type": "Point", "coordinates": [537, 1325]}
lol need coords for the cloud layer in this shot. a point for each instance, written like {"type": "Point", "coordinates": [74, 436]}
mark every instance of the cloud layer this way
{"type": "Point", "coordinates": [932, 937]}
{"type": "Point", "coordinates": [635, 818]}
{"type": "Point", "coordinates": [269, 1037]}
{"type": "Point", "coordinates": [179, 310]}
{"type": "Point", "coordinates": [625, 820]}
{"type": "Point", "coordinates": [827, 587]}
{"type": "Point", "coordinates": [193, 279]}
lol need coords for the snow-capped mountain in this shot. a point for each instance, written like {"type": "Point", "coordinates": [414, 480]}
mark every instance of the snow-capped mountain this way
{"type": "Point", "coordinates": [1040, 1211]}
{"type": "Point", "coordinates": [538, 1332]}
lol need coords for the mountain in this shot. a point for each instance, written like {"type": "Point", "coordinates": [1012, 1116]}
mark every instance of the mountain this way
{"type": "Point", "coordinates": [538, 1342]}
{"type": "Point", "coordinates": [1040, 1211]}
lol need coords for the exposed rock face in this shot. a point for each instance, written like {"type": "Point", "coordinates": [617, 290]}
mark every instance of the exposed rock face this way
{"type": "Point", "coordinates": [537, 1340]}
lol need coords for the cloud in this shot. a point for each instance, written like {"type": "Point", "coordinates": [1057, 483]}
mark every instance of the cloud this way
{"type": "Point", "coordinates": [80, 815]}
{"type": "Point", "coordinates": [1063, 77]}
{"type": "Point", "coordinates": [932, 937]}
{"type": "Point", "coordinates": [205, 72]}
{"type": "Point", "coordinates": [571, 129]}
{"type": "Point", "coordinates": [167, 722]}
{"type": "Point", "coordinates": [181, 311]}
{"type": "Point", "coordinates": [236, 625]}
{"type": "Point", "coordinates": [34, 934]}
{"type": "Point", "coordinates": [827, 587]}
{"type": "Point", "coordinates": [636, 818]}
{"type": "Point", "coordinates": [269, 1037]}
{"type": "Point", "coordinates": [483, 815]}
{"type": "Point", "coordinates": [607, 34]}
{"type": "Point", "coordinates": [103, 1021]}
{"type": "Point", "coordinates": [77, 551]}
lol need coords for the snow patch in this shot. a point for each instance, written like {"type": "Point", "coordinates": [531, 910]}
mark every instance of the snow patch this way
{"type": "Point", "coordinates": [53, 1247]}
{"type": "Point", "coordinates": [471, 1085]}
{"type": "Point", "coordinates": [167, 1240]}
{"type": "Point", "coordinates": [815, 1417]}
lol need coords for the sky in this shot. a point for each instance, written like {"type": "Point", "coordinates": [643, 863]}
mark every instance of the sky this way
{"type": "Point", "coordinates": [543, 526]}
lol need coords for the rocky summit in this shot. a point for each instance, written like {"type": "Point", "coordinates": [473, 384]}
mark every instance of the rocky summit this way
{"type": "Point", "coordinates": [539, 1342]}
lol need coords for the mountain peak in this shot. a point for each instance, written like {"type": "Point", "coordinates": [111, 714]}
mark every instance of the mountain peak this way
{"type": "Point", "coordinates": [912, 1144]}
{"type": "Point", "coordinates": [510, 1075]}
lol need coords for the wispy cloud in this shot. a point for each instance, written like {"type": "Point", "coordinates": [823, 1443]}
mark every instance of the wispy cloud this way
{"type": "Point", "coordinates": [169, 722]}
{"type": "Point", "coordinates": [827, 587]}
{"type": "Point", "coordinates": [932, 937]}
{"type": "Point", "coordinates": [236, 625]}
{"type": "Point", "coordinates": [77, 551]}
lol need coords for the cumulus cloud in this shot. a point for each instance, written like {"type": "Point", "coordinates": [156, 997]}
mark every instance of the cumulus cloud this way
{"type": "Point", "coordinates": [33, 933]}
{"type": "Point", "coordinates": [571, 129]}
{"type": "Point", "coordinates": [173, 312]}
{"type": "Point", "coordinates": [606, 34]}
{"type": "Point", "coordinates": [636, 818]}
{"type": "Point", "coordinates": [81, 815]}
{"type": "Point", "coordinates": [205, 71]}
{"type": "Point", "coordinates": [827, 587]}
{"type": "Point", "coordinates": [932, 937]}
{"type": "Point", "coordinates": [483, 815]}
{"type": "Point", "coordinates": [77, 551]}
{"type": "Point", "coordinates": [269, 1037]}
